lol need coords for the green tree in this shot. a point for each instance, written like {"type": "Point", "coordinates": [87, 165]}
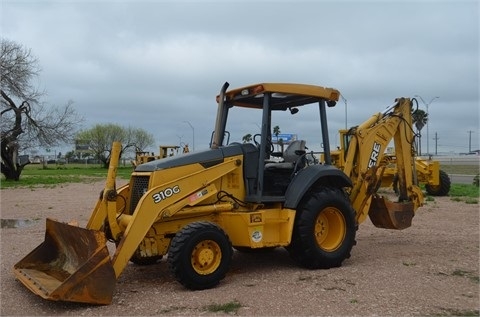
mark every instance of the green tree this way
{"type": "Point", "coordinates": [26, 122]}
{"type": "Point", "coordinates": [247, 138]}
{"type": "Point", "coordinates": [419, 119]}
{"type": "Point", "coordinates": [70, 155]}
{"type": "Point", "coordinates": [276, 132]}
{"type": "Point", "coordinates": [101, 137]}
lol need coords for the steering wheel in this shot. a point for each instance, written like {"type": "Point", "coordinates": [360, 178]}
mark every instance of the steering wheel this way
{"type": "Point", "coordinates": [269, 149]}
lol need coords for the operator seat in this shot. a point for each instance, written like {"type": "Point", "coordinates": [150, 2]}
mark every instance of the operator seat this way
{"type": "Point", "coordinates": [292, 153]}
{"type": "Point", "coordinates": [278, 175]}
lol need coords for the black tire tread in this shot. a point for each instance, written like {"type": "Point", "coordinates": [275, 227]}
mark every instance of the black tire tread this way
{"type": "Point", "coordinates": [444, 187]}
{"type": "Point", "coordinates": [303, 249]}
{"type": "Point", "coordinates": [177, 257]}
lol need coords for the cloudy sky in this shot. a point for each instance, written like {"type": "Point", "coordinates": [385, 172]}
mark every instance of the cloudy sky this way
{"type": "Point", "coordinates": [158, 65]}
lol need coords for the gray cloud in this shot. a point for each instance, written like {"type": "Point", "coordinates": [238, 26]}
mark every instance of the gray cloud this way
{"type": "Point", "coordinates": [157, 64]}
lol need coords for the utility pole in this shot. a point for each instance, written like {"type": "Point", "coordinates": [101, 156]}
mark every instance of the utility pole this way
{"type": "Point", "coordinates": [436, 139]}
{"type": "Point", "coordinates": [428, 118]}
{"type": "Point", "coordinates": [470, 141]}
{"type": "Point", "coordinates": [193, 134]}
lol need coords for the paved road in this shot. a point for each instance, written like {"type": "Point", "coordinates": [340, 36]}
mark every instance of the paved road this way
{"type": "Point", "coordinates": [459, 160]}
{"type": "Point", "coordinates": [461, 179]}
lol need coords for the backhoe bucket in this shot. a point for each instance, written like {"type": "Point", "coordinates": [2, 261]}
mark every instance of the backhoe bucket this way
{"type": "Point", "coordinates": [72, 264]}
{"type": "Point", "coordinates": [390, 215]}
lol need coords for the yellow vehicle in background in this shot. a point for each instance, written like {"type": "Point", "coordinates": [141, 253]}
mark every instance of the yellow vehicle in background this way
{"type": "Point", "coordinates": [165, 151]}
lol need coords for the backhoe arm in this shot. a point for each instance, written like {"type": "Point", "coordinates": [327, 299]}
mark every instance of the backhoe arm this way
{"type": "Point", "coordinates": [364, 165]}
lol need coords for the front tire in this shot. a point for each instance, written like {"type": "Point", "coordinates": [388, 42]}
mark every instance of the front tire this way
{"type": "Point", "coordinates": [324, 230]}
{"type": "Point", "coordinates": [441, 189]}
{"type": "Point", "coordinates": [199, 255]}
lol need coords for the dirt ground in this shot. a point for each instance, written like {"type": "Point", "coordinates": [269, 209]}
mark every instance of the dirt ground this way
{"type": "Point", "coordinates": [430, 269]}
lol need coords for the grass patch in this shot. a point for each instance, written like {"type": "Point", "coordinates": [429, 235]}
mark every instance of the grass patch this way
{"type": "Point", "coordinates": [471, 201]}
{"type": "Point", "coordinates": [468, 274]}
{"type": "Point", "coordinates": [460, 169]}
{"type": "Point", "coordinates": [230, 307]}
{"type": "Point", "coordinates": [409, 263]}
{"type": "Point", "coordinates": [37, 176]}
{"type": "Point", "coordinates": [305, 278]}
{"type": "Point", "coordinates": [459, 273]}
{"type": "Point", "coordinates": [171, 309]}
{"type": "Point", "coordinates": [464, 190]}
{"type": "Point", "coordinates": [42, 181]}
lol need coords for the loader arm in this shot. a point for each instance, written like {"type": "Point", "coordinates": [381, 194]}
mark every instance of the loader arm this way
{"type": "Point", "coordinates": [364, 165]}
{"type": "Point", "coordinates": [74, 264]}
{"type": "Point", "coordinates": [190, 189]}
{"type": "Point", "coordinates": [106, 204]}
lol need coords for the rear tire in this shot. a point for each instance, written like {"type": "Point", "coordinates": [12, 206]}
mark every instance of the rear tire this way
{"type": "Point", "coordinates": [441, 189]}
{"type": "Point", "coordinates": [199, 255]}
{"type": "Point", "coordinates": [324, 230]}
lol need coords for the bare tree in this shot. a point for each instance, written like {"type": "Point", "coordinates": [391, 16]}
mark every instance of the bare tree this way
{"type": "Point", "coordinates": [139, 138]}
{"type": "Point", "coordinates": [101, 137]}
{"type": "Point", "coordinates": [25, 121]}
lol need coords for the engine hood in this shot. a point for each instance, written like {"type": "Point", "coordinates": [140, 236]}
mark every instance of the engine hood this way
{"type": "Point", "coordinates": [206, 158]}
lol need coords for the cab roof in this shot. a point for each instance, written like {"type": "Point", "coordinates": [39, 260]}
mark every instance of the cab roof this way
{"type": "Point", "coordinates": [284, 95]}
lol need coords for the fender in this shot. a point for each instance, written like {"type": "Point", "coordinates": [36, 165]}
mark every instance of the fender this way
{"type": "Point", "coordinates": [304, 180]}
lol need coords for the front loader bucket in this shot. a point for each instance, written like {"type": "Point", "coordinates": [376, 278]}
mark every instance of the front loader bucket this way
{"type": "Point", "coordinates": [72, 264]}
{"type": "Point", "coordinates": [390, 215]}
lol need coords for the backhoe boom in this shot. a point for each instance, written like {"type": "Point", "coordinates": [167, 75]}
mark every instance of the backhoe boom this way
{"type": "Point", "coordinates": [364, 164]}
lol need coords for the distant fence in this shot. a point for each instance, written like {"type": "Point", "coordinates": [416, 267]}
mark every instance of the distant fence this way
{"type": "Point", "coordinates": [458, 160]}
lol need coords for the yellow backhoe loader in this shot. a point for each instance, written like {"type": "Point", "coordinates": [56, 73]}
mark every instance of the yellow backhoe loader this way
{"type": "Point", "coordinates": [198, 207]}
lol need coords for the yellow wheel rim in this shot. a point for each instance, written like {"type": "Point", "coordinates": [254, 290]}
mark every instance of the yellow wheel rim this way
{"type": "Point", "coordinates": [206, 257]}
{"type": "Point", "coordinates": [330, 229]}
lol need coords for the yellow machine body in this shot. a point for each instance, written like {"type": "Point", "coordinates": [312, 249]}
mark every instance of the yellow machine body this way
{"type": "Point", "coordinates": [196, 207]}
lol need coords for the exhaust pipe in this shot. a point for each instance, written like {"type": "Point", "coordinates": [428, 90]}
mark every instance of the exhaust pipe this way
{"type": "Point", "coordinates": [218, 134]}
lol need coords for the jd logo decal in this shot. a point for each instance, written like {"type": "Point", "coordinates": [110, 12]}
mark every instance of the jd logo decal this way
{"type": "Point", "coordinates": [374, 155]}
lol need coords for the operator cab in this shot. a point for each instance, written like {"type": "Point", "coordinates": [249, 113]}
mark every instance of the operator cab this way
{"type": "Point", "coordinates": [271, 164]}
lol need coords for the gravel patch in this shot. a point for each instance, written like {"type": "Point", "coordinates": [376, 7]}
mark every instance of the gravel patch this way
{"type": "Point", "coordinates": [430, 269]}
